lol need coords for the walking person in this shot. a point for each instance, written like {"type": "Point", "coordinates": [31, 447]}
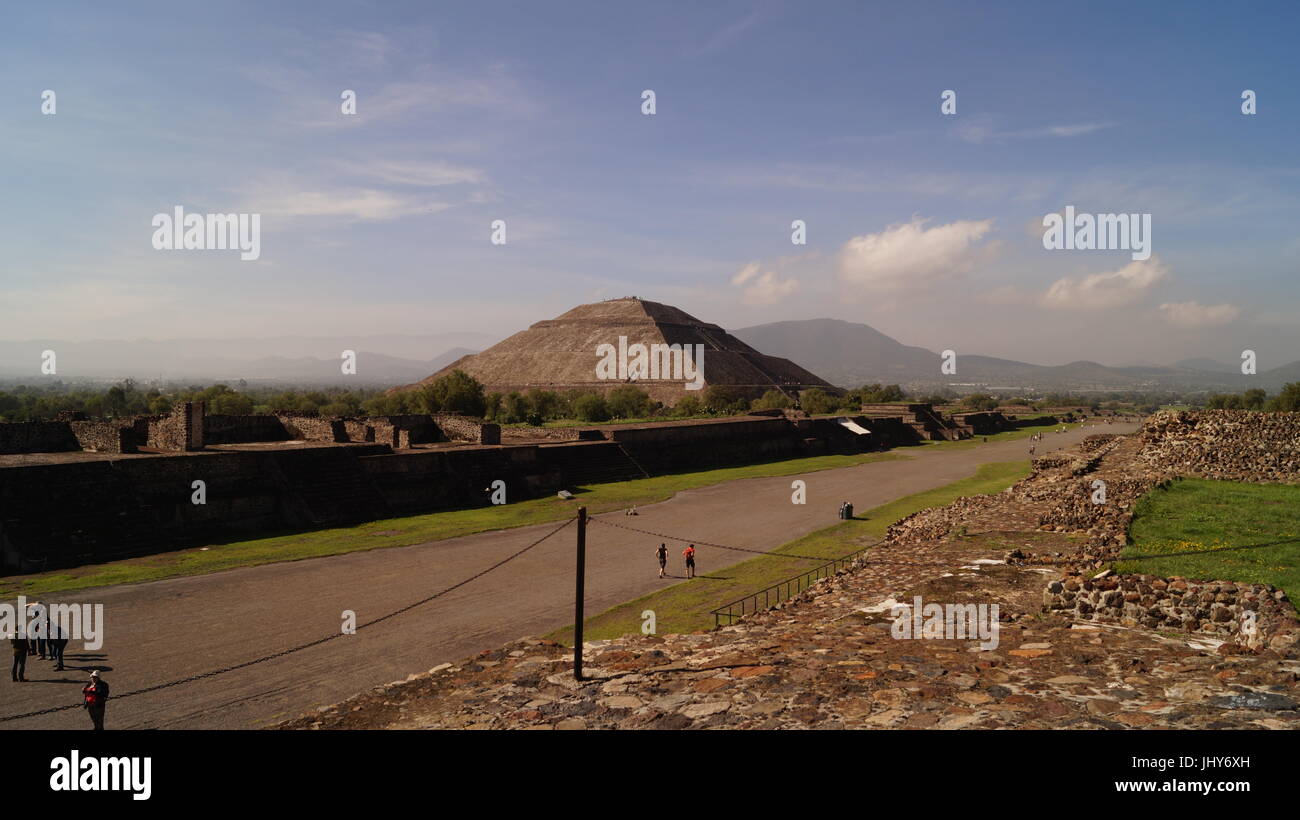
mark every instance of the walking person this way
{"type": "Point", "coordinates": [662, 555]}
{"type": "Point", "coordinates": [96, 697]}
{"type": "Point", "coordinates": [40, 627]}
{"type": "Point", "coordinates": [689, 552]}
{"type": "Point", "coordinates": [58, 642]}
{"type": "Point", "coordinates": [19, 646]}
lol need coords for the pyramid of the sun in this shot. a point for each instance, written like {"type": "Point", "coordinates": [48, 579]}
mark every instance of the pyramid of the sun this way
{"type": "Point", "coordinates": [561, 354]}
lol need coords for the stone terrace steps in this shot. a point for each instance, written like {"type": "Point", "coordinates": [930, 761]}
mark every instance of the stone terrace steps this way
{"type": "Point", "coordinates": [597, 462]}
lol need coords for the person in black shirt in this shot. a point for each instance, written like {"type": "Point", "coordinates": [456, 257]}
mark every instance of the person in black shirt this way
{"type": "Point", "coordinates": [19, 646]}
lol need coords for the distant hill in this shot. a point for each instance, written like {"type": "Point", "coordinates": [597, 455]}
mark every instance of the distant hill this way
{"type": "Point", "coordinates": [843, 353]}
{"type": "Point", "coordinates": [1207, 365]}
{"type": "Point", "coordinates": [849, 354]}
{"type": "Point", "coordinates": [383, 360]}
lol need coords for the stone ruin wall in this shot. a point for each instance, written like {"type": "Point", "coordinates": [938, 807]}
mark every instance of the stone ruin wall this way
{"type": "Point", "coordinates": [179, 431]}
{"type": "Point", "coordinates": [463, 428]}
{"type": "Point", "coordinates": [37, 437]}
{"type": "Point", "coordinates": [225, 429]}
{"type": "Point", "coordinates": [1226, 445]}
{"type": "Point", "coordinates": [188, 428]}
{"type": "Point", "coordinates": [984, 423]}
{"type": "Point", "coordinates": [310, 427]}
{"type": "Point", "coordinates": [1214, 608]}
{"type": "Point", "coordinates": [108, 436]}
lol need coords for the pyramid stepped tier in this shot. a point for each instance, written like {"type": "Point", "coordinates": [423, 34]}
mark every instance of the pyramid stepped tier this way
{"type": "Point", "coordinates": [561, 354]}
{"type": "Point", "coordinates": [929, 424]}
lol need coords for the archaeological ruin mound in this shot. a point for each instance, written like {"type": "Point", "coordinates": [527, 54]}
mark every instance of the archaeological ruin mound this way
{"type": "Point", "coordinates": [562, 354]}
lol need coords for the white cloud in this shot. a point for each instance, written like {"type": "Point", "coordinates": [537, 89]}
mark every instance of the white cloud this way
{"type": "Point", "coordinates": [909, 256]}
{"type": "Point", "coordinates": [1196, 315]}
{"type": "Point", "coordinates": [416, 172]}
{"type": "Point", "coordinates": [1112, 289]}
{"type": "Point", "coordinates": [762, 288]}
{"type": "Point", "coordinates": [981, 129]}
{"type": "Point", "coordinates": [363, 204]}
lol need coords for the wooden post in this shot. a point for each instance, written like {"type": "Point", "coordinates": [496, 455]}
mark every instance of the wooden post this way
{"type": "Point", "coordinates": [579, 593]}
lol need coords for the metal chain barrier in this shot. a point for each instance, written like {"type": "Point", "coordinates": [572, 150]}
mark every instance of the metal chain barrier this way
{"type": "Point", "coordinates": [300, 647]}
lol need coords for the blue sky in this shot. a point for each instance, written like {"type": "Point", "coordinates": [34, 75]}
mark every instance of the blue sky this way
{"type": "Point", "coordinates": [927, 227]}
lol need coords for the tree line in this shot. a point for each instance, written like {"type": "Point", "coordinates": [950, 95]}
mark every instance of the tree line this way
{"type": "Point", "coordinates": [458, 392]}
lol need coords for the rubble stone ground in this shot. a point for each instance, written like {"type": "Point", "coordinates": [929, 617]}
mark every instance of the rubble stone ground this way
{"type": "Point", "coordinates": [827, 660]}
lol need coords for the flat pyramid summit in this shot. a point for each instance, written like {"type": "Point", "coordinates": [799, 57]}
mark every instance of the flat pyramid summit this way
{"type": "Point", "coordinates": [561, 354]}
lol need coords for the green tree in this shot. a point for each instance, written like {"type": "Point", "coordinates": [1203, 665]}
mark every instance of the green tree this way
{"type": "Point", "coordinates": [457, 392]}
{"type": "Point", "coordinates": [514, 409]}
{"type": "Point", "coordinates": [689, 405]}
{"type": "Point", "coordinates": [628, 402]}
{"type": "Point", "coordinates": [1254, 399]}
{"type": "Point", "coordinates": [816, 401]}
{"type": "Point", "coordinates": [591, 407]}
{"type": "Point", "coordinates": [772, 400]}
{"type": "Point", "coordinates": [722, 399]}
{"type": "Point", "coordinates": [980, 401]}
{"type": "Point", "coordinates": [1288, 400]}
{"type": "Point", "coordinates": [544, 405]}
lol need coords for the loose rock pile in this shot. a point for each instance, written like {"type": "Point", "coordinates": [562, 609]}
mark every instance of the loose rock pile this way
{"type": "Point", "coordinates": [1075, 509]}
{"type": "Point", "coordinates": [1096, 441]}
{"type": "Point", "coordinates": [1230, 445]}
{"type": "Point", "coordinates": [1212, 607]}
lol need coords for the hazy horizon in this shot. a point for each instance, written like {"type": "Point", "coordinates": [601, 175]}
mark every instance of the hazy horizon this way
{"type": "Point", "coordinates": [924, 226]}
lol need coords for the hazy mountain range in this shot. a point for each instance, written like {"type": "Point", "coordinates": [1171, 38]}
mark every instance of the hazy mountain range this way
{"type": "Point", "coordinates": [847, 354]}
{"type": "Point", "coordinates": [381, 360]}
{"type": "Point", "coordinates": [850, 355]}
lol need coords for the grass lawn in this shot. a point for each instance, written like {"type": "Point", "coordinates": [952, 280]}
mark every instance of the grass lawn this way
{"type": "Point", "coordinates": [415, 529]}
{"type": "Point", "coordinates": [1047, 430]}
{"type": "Point", "coordinates": [1218, 530]}
{"type": "Point", "coordinates": [685, 606]}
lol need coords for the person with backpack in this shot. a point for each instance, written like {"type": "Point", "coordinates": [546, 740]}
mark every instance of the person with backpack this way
{"type": "Point", "coordinates": [95, 694]}
{"type": "Point", "coordinates": [689, 552]}
{"type": "Point", "coordinates": [662, 555]}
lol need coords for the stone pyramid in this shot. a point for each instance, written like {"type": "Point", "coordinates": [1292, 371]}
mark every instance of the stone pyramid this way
{"type": "Point", "coordinates": [561, 354]}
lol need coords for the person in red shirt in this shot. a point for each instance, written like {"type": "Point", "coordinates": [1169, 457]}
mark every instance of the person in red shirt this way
{"type": "Point", "coordinates": [95, 694]}
{"type": "Point", "coordinates": [689, 552]}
